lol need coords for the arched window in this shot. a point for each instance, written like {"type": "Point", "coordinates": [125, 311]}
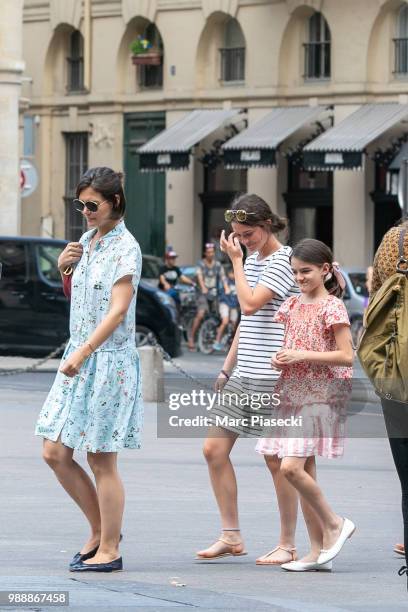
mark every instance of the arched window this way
{"type": "Point", "coordinates": [75, 62]}
{"type": "Point", "coordinates": [233, 53]}
{"type": "Point", "coordinates": [317, 49]}
{"type": "Point", "coordinates": [152, 76]}
{"type": "Point", "coordinates": [401, 42]}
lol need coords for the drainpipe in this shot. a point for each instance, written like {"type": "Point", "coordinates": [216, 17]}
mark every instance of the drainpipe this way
{"type": "Point", "coordinates": [87, 43]}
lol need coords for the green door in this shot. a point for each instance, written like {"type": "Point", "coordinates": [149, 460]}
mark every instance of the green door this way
{"type": "Point", "coordinates": [145, 191]}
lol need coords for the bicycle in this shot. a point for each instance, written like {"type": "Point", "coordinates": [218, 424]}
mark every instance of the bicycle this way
{"type": "Point", "coordinates": [187, 308]}
{"type": "Point", "coordinates": [208, 330]}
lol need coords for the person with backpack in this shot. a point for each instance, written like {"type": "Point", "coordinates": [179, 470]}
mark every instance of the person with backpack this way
{"type": "Point", "coordinates": [383, 350]}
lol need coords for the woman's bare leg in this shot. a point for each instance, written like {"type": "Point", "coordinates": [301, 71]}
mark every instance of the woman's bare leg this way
{"type": "Point", "coordinates": [293, 469]}
{"type": "Point", "coordinates": [77, 484]}
{"type": "Point", "coordinates": [288, 507]}
{"type": "Point", "coordinates": [111, 498]}
{"type": "Point", "coordinates": [217, 449]}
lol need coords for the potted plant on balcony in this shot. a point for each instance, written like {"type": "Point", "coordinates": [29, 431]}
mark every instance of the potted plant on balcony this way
{"type": "Point", "coordinates": [143, 53]}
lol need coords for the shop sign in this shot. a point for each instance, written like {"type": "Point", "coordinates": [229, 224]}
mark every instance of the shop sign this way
{"type": "Point", "coordinates": [28, 178]}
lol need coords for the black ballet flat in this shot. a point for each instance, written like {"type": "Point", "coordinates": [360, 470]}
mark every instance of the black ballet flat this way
{"type": "Point", "coordinates": [78, 557]}
{"type": "Point", "coordinates": [112, 566]}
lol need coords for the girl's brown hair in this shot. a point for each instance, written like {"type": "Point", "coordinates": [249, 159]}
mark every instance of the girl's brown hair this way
{"type": "Point", "coordinates": [317, 253]}
{"type": "Point", "coordinates": [262, 213]}
{"type": "Point", "coordinates": [108, 183]}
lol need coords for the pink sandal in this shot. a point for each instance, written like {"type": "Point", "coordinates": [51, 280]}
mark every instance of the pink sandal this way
{"type": "Point", "coordinates": [264, 559]}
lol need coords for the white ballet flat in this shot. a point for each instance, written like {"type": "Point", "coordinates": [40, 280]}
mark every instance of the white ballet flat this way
{"type": "Point", "coordinates": [312, 566]}
{"type": "Point", "coordinates": [347, 531]}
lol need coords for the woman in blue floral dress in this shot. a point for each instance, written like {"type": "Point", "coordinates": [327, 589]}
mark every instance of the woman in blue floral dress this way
{"type": "Point", "coordinates": [95, 403]}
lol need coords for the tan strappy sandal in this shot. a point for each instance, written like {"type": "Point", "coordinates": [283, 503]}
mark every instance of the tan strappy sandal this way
{"type": "Point", "coordinates": [264, 559]}
{"type": "Point", "coordinates": [230, 549]}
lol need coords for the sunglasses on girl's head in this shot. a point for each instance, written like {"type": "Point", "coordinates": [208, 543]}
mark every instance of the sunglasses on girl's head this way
{"type": "Point", "coordinates": [91, 205]}
{"type": "Point", "coordinates": [240, 215]}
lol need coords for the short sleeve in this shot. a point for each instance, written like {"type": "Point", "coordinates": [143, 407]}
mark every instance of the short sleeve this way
{"type": "Point", "coordinates": [282, 314]}
{"type": "Point", "coordinates": [178, 271]}
{"type": "Point", "coordinates": [335, 313]}
{"type": "Point", "coordinates": [278, 276]}
{"type": "Point", "coordinates": [129, 263]}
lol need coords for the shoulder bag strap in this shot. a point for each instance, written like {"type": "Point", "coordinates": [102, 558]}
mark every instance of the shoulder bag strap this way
{"type": "Point", "coordinates": [402, 261]}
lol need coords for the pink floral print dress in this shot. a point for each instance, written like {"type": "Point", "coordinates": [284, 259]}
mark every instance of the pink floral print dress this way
{"type": "Point", "coordinates": [316, 392]}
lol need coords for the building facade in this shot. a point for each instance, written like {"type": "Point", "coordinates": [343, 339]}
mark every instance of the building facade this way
{"type": "Point", "coordinates": [92, 104]}
{"type": "Point", "coordinates": [11, 70]}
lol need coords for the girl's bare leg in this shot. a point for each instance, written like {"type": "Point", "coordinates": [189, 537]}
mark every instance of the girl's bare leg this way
{"type": "Point", "coordinates": [217, 449]}
{"type": "Point", "coordinates": [313, 523]}
{"type": "Point", "coordinates": [77, 484]}
{"type": "Point", "coordinates": [288, 508]}
{"type": "Point", "coordinates": [294, 470]}
{"type": "Point", "coordinates": [111, 498]}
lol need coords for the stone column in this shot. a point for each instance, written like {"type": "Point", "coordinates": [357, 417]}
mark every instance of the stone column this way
{"type": "Point", "coordinates": [263, 181]}
{"type": "Point", "coordinates": [11, 68]}
{"type": "Point", "coordinates": [182, 230]}
{"type": "Point", "coordinates": [352, 210]}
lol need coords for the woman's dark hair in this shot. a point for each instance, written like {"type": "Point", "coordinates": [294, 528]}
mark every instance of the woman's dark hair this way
{"type": "Point", "coordinates": [108, 183]}
{"type": "Point", "coordinates": [317, 253]}
{"type": "Point", "coordinates": [263, 214]}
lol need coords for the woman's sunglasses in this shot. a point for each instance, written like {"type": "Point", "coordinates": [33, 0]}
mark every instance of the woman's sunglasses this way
{"type": "Point", "coordinates": [239, 215]}
{"type": "Point", "coordinates": [90, 205]}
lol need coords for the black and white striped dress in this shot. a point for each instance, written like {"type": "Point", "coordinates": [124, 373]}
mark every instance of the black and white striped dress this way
{"type": "Point", "coordinates": [259, 338]}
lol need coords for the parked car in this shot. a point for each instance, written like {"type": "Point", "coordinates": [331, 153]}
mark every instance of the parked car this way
{"type": "Point", "coordinates": [34, 313]}
{"type": "Point", "coordinates": [355, 298]}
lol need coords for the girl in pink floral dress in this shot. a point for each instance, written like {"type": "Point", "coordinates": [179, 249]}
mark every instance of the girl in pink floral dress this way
{"type": "Point", "coordinates": [315, 382]}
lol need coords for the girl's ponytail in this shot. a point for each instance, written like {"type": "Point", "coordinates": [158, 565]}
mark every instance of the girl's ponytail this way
{"type": "Point", "coordinates": [334, 282]}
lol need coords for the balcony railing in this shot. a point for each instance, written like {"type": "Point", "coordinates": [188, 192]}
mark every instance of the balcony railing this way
{"type": "Point", "coordinates": [401, 56]}
{"type": "Point", "coordinates": [233, 64]}
{"type": "Point", "coordinates": [75, 74]}
{"type": "Point", "coordinates": [150, 76]}
{"type": "Point", "coordinates": [317, 60]}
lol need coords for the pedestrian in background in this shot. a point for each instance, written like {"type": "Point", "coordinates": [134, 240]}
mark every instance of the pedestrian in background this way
{"type": "Point", "coordinates": [210, 277]}
{"type": "Point", "coordinates": [262, 284]}
{"type": "Point", "coordinates": [170, 274]}
{"type": "Point", "coordinates": [315, 361]}
{"type": "Point", "coordinates": [95, 403]}
{"type": "Point", "coordinates": [228, 308]}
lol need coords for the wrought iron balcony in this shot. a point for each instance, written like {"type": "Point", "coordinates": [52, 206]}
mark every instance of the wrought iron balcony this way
{"type": "Point", "coordinates": [233, 64]}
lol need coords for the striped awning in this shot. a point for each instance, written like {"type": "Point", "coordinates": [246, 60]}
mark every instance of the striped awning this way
{"type": "Point", "coordinates": [257, 145]}
{"type": "Point", "coordinates": [170, 150]}
{"type": "Point", "coordinates": [342, 146]}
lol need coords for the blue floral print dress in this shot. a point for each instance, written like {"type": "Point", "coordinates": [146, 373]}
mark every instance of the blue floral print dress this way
{"type": "Point", "coordinates": [100, 409]}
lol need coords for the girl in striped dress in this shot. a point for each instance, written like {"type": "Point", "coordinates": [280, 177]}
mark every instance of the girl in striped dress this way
{"type": "Point", "coordinates": [315, 382]}
{"type": "Point", "coordinates": [262, 285]}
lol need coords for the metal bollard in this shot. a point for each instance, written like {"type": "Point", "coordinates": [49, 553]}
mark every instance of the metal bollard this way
{"type": "Point", "coordinates": [151, 363]}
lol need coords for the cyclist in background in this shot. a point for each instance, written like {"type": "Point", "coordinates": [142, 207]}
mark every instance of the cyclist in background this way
{"type": "Point", "coordinates": [210, 276]}
{"type": "Point", "coordinates": [170, 275]}
{"type": "Point", "coordinates": [228, 308]}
